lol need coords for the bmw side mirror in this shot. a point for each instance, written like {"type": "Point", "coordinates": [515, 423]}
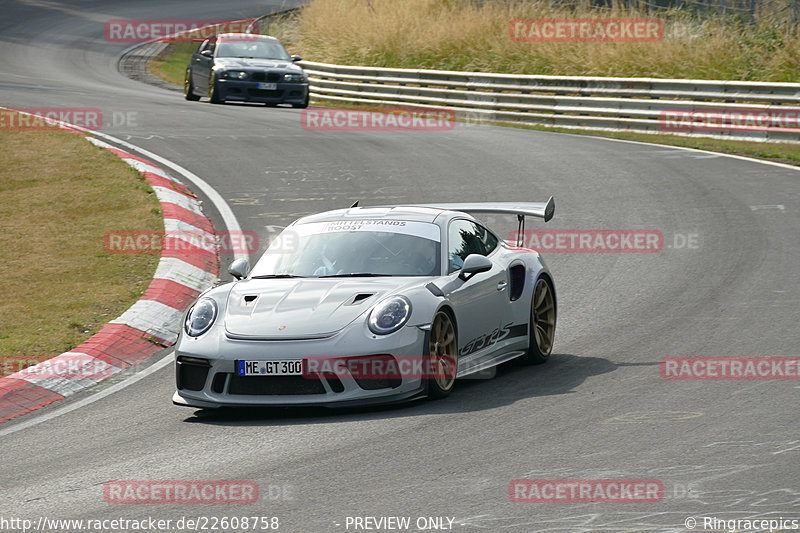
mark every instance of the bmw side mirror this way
{"type": "Point", "coordinates": [239, 268]}
{"type": "Point", "coordinates": [296, 58]}
{"type": "Point", "coordinates": [206, 53]}
{"type": "Point", "coordinates": [474, 264]}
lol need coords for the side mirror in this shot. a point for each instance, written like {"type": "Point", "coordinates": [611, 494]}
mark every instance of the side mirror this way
{"type": "Point", "coordinates": [206, 53]}
{"type": "Point", "coordinates": [296, 58]}
{"type": "Point", "coordinates": [239, 268]}
{"type": "Point", "coordinates": [474, 264]}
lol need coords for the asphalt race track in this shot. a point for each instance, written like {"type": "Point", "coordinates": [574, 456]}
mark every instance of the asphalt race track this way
{"type": "Point", "coordinates": [724, 284]}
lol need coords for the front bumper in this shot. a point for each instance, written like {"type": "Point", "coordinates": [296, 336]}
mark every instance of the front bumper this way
{"type": "Point", "coordinates": [248, 91]}
{"type": "Point", "coordinates": [210, 382]}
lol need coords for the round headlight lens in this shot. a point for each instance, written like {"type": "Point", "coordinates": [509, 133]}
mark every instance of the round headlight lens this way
{"type": "Point", "coordinates": [200, 317]}
{"type": "Point", "coordinates": [389, 315]}
{"type": "Point", "coordinates": [234, 74]}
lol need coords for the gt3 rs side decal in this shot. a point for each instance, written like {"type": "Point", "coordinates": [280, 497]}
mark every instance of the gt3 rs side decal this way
{"type": "Point", "coordinates": [508, 331]}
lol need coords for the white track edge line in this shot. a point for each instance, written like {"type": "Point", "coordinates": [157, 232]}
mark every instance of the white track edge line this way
{"type": "Point", "coordinates": [158, 365]}
{"type": "Point", "coordinates": [685, 148]}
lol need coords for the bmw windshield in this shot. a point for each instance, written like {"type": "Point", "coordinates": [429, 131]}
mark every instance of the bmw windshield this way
{"type": "Point", "coordinates": [353, 248]}
{"type": "Point", "coordinates": [252, 49]}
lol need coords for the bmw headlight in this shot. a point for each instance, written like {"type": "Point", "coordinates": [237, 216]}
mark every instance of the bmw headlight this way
{"type": "Point", "coordinates": [294, 78]}
{"type": "Point", "coordinates": [389, 315]}
{"type": "Point", "coordinates": [200, 317]}
{"type": "Point", "coordinates": [234, 74]}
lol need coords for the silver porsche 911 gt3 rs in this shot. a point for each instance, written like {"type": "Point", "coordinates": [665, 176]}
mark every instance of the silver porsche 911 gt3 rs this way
{"type": "Point", "coordinates": [369, 305]}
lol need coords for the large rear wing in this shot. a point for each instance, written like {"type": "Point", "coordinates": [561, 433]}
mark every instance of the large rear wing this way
{"type": "Point", "coordinates": [543, 210]}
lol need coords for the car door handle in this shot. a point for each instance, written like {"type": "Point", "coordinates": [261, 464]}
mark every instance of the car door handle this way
{"type": "Point", "coordinates": [502, 285]}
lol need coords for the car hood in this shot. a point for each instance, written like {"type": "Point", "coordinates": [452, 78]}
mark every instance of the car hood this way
{"type": "Point", "coordinates": [278, 309]}
{"type": "Point", "coordinates": [243, 62]}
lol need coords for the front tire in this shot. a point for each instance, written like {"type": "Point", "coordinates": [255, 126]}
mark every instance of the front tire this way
{"type": "Point", "coordinates": [542, 323]}
{"type": "Point", "coordinates": [442, 355]}
{"type": "Point", "coordinates": [188, 88]}
{"type": "Point", "coordinates": [303, 105]}
{"type": "Point", "coordinates": [213, 91]}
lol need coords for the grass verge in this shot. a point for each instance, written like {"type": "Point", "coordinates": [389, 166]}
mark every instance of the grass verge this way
{"type": "Point", "coordinates": [170, 64]}
{"type": "Point", "coordinates": [61, 194]}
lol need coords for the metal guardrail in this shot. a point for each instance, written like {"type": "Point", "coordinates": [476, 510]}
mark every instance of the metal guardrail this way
{"type": "Point", "coordinates": [574, 102]}
{"type": "Point", "coordinates": [257, 25]}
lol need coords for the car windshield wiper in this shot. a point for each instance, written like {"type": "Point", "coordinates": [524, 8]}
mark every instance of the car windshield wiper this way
{"type": "Point", "coordinates": [276, 276]}
{"type": "Point", "coordinates": [355, 275]}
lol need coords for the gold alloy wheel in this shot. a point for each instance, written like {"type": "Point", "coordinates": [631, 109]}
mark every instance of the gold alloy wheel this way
{"type": "Point", "coordinates": [188, 90]}
{"type": "Point", "coordinates": [212, 93]}
{"type": "Point", "coordinates": [443, 351]}
{"type": "Point", "coordinates": [543, 317]}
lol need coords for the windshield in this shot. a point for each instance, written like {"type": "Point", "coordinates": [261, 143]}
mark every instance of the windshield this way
{"type": "Point", "coordinates": [259, 49]}
{"type": "Point", "coordinates": [353, 248]}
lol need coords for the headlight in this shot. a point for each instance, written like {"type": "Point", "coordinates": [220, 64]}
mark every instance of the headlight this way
{"type": "Point", "coordinates": [389, 315]}
{"type": "Point", "coordinates": [200, 317]}
{"type": "Point", "coordinates": [234, 74]}
{"type": "Point", "coordinates": [294, 78]}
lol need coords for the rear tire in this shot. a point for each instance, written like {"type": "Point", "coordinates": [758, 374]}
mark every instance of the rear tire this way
{"type": "Point", "coordinates": [443, 356]}
{"type": "Point", "coordinates": [188, 88]}
{"type": "Point", "coordinates": [542, 323]}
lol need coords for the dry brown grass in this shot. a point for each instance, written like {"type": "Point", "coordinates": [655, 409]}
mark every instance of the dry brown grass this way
{"type": "Point", "coordinates": [60, 196]}
{"type": "Point", "coordinates": [470, 36]}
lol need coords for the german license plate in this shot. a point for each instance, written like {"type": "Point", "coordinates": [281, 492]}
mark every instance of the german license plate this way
{"type": "Point", "coordinates": [290, 367]}
{"type": "Point", "coordinates": [267, 86]}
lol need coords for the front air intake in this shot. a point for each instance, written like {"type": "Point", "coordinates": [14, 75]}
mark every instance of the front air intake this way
{"type": "Point", "coordinates": [191, 373]}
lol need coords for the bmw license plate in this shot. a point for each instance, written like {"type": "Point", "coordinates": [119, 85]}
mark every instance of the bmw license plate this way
{"type": "Point", "coordinates": [291, 367]}
{"type": "Point", "coordinates": [267, 86]}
